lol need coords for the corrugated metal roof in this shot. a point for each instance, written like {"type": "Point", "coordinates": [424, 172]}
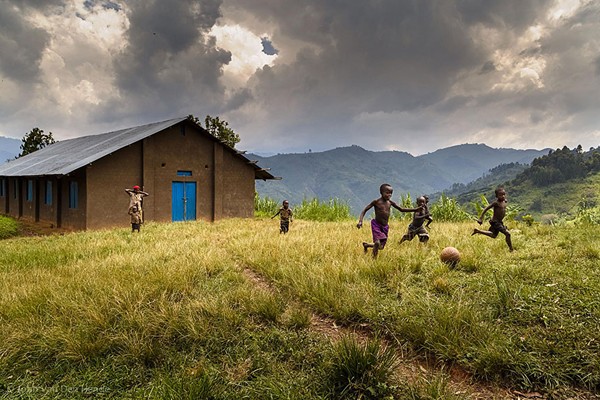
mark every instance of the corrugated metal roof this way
{"type": "Point", "coordinates": [66, 156]}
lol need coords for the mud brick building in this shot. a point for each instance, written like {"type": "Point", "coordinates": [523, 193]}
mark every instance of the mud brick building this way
{"type": "Point", "coordinates": [80, 183]}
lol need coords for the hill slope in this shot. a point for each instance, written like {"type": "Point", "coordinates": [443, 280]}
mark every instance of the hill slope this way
{"type": "Point", "coordinates": [9, 148]}
{"type": "Point", "coordinates": [354, 174]}
{"type": "Point", "coordinates": [561, 183]}
{"type": "Point", "coordinates": [468, 162]}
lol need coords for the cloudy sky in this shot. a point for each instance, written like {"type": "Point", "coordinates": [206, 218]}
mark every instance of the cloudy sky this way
{"type": "Point", "coordinates": [294, 75]}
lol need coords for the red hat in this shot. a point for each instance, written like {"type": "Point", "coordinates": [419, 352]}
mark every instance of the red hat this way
{"type": "Point", "coordinates": [136, 187]}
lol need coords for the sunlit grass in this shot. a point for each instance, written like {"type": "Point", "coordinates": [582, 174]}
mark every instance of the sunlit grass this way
{"type": "Point", "coordinates": [8, 227]}
{"type": "Point", "coordinates": [169, 313]}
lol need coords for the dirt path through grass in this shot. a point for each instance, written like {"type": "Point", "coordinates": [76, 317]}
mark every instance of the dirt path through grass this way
{"type": "Point", "coordinates": [409, 369]}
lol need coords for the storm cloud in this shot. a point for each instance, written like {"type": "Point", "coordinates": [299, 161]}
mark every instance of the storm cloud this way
{"type": "Point", "coordinates": [293, 75]}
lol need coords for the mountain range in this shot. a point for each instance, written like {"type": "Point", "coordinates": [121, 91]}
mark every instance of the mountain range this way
{"type": "Point", "coordinates": [9, 148]}
{"type": "Point", "coordinates": [353, 174]}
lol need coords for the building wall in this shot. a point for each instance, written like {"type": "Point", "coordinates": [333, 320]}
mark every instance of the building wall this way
{"type": "Point", "coordinates": [73, 217]}
{"type": "Point", "coordinates": [179, 148]}
{"type": "Point", "coordinates": [238, 187]}
{"type": "Point", "coordinates": [28, 196]}
{"type": "Point", "coordinates": [47, 212]}
{"type": "Point", "coordinates": [3, 195]}
{"type": "Point", "coordinates": [224, 182]}
{"type": "Point", "coordinates": [14, 187]}
{"type": "Point", "coordinates": [107, 179]}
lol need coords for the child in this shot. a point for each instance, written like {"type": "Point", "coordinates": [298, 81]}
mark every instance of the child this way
{"type": "Point", "coordinates": [136, 197]}
{"type": "Point", "coordinates": [379, 225]}
{"type": "Point", "coordinates": [496, 224]}
{"type": "Point", "coordinates": [285, 215]}
{"type": "Point", "coordinates": [136, 218]}
{"type": "Point", "coordinates": [416, 227]}
{"type": "Point", "coordinates": [426, 210]}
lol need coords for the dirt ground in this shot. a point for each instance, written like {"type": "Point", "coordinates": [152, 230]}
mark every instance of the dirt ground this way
{"type": "Point", "coordinates": [30, 228]}
{"type": "Point", "coordinates": [411, 368]}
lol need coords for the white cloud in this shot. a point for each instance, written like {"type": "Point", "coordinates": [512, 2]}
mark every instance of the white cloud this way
{"type": "Point", "coordinates": [563, 9]}
{"type": "Point", "coordinates": [246, 53]}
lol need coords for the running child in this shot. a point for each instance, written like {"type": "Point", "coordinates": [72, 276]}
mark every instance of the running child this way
{"type": "Point", "coordinates": [379, 224]}
{"type": "Point", "coordinates": [285, 217]}
{"type": "Point", "coordinates": [496, 222]}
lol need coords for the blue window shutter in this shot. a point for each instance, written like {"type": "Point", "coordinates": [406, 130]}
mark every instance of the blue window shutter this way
{"type": "Point", "coordinates": [73, 195]}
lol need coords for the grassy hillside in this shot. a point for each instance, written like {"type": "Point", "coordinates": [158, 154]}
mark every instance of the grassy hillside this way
{"type": "Point", "coordinates": [233, 309]}
{"type": "Point", "coordinates": [496, 176]}
{"type": "Point", "coordinates": [554, 202]}
{"type": "Point", "coordinates": [556, 187]}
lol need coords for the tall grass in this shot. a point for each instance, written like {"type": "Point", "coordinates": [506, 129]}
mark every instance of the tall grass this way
{"type": "Point", "coordinates": [169, 313]}
{"type": "Point", "coordinates": [317, 210]}
{"type": "Point", "coordinates": [362, 370]}
{"type": "Point", "coordinates": [8, 227]}
{"type": "Point", "coordinates": [494, 314]}
{"type": "Point", "coordinates": [310, 210]}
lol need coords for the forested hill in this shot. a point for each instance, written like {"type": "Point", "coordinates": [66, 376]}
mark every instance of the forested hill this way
{"type": "Point", "coordinates": [561, 182]}
{"type": "Point", "coordinates": [353, 174]}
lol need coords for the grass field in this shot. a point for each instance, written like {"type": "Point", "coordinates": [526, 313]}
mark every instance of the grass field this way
{"type": "Point", "coordinates": [227, 310]}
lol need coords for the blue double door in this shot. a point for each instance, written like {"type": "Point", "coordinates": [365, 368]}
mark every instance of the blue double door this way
{"type": "Point", "coordinates": [183, 201]}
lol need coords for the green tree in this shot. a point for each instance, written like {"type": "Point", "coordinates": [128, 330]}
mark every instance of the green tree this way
{"type": "Point", "coordinates": [219, 129]}
{"type": "Point", "coordinates": [35, 140]}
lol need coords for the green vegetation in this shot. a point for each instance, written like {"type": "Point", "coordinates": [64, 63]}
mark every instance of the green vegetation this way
{"type": "Point", "coordinates": [561, 165]}
{"type": "Point", "coordinates": [311, 210]}
{"type": "Point", "coordinates": [8, 227]}
{"type": "Point", "coordinates": [173, 312]}
{"type": "Point", "coordinates": [315, 210]}
{"type": "Point", "coordinates": [265, 206]}
{"type": "Point", "coordinates": [448, 210]}
{"type": "Point", "coordinates": [218, 128]}
{"type": "Point", "coordinates": [354, 174]}
{"type": "Point", "coordinates": [560, 187]}
{"type": "Point", "coordinates": [35, 140]}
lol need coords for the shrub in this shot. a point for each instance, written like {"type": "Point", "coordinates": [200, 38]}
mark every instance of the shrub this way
{"type": "Point", "coordinates": [528, 219]}
{"type": "Point", "coordinates": [588, 216]}
{"type": "Point", "coordinates": [8, 227]}
{"type": "Point", "coordinates": [447, 209]}
{"type": "Point", "coordinates": [362, 371]}
{"type": "Point", "coordinates": [264, 207]}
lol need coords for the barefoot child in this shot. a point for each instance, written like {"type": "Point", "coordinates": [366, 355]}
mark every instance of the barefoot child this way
{"type": "Point", "coordinates": [285, 215]}
{"type": "Point", "coordinates": [416, 227]}
{"type": "Point", "coordinates": [496, 222]}
{"type": "Point", "coordinates": [379, 225]}
{"type": "Point", "coordinates": [426, 211]}
{"type": "Point", "coordinates": [136, 218]}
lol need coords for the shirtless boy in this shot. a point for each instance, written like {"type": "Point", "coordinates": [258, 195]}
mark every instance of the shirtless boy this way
{"type": "Point", "coordinates": [496, 222]}
{"type": "Point", "coordinates": [285, 215]}
{"type": "Point", "coordinates": [416, 227]}
{"type": "Point", "coordinates": [379, 225]}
